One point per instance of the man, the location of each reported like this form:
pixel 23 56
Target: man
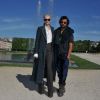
pixel 63 44
pixel 43 54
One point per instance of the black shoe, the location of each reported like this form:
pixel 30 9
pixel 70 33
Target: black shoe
pixel 50 95
pixel 40 88
pixel 62 87
pixel 61 90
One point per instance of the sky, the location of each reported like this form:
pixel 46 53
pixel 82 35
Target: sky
pixel 20 18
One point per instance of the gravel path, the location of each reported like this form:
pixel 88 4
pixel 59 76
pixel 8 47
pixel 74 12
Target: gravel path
pixel 90 57
pixel 81 85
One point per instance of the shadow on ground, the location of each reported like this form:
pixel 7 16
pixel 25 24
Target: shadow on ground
pixel 31 85
pixel 25 80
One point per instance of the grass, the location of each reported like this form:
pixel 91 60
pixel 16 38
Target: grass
pixel 14 52
pixel 84 64
pixel 16 64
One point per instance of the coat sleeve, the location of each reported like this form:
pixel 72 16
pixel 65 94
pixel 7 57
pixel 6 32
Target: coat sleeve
pixel 37 41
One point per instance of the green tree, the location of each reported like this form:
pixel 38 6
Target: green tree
pixel 98 47
pixel 81 46
pixel 20 44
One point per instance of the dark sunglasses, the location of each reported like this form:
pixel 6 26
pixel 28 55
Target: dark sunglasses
pixel 46 19
pixel 63 22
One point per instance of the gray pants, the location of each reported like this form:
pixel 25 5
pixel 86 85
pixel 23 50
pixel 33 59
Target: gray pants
pixel 49 70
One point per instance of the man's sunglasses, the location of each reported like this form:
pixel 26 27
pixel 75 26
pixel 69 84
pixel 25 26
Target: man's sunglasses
pixel 63 22
pixel 46 19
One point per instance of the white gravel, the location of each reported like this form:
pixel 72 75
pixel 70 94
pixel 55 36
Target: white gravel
pixel 80 85
pixel 93 57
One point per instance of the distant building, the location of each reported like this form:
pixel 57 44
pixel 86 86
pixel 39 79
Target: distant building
pixel 94 43
pixel 5 44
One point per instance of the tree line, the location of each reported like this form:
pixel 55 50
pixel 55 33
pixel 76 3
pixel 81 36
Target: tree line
pixel 22 44
pixel 87 46
pixel 25 44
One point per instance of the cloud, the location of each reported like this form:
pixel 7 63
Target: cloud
pixel 94 32
pixel 14 27
pixel 11 20
pixel 88 35
pixel 9 24
pixel 96 17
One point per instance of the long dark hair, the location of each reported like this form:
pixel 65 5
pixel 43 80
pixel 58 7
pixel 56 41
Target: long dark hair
pixel 64 17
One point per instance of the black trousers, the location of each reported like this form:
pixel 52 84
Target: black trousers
pixel 62 70
pixel 48 67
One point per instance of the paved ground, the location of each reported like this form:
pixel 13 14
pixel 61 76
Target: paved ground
pixel 90 57
pixel 81 85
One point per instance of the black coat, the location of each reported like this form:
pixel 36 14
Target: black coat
pixel 40 48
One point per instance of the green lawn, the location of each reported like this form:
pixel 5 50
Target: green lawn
pixel 16 64
pixel 14 52
pixel 84 64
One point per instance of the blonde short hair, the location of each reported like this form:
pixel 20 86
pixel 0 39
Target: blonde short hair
pixel 46 15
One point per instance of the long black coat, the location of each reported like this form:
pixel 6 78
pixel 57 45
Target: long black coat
pixel 40 48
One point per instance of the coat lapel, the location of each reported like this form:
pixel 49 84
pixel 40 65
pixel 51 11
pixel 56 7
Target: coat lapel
pixel 52 30
pixel 44 32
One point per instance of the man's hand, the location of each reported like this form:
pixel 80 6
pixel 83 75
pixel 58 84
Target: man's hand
pixel 68 57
